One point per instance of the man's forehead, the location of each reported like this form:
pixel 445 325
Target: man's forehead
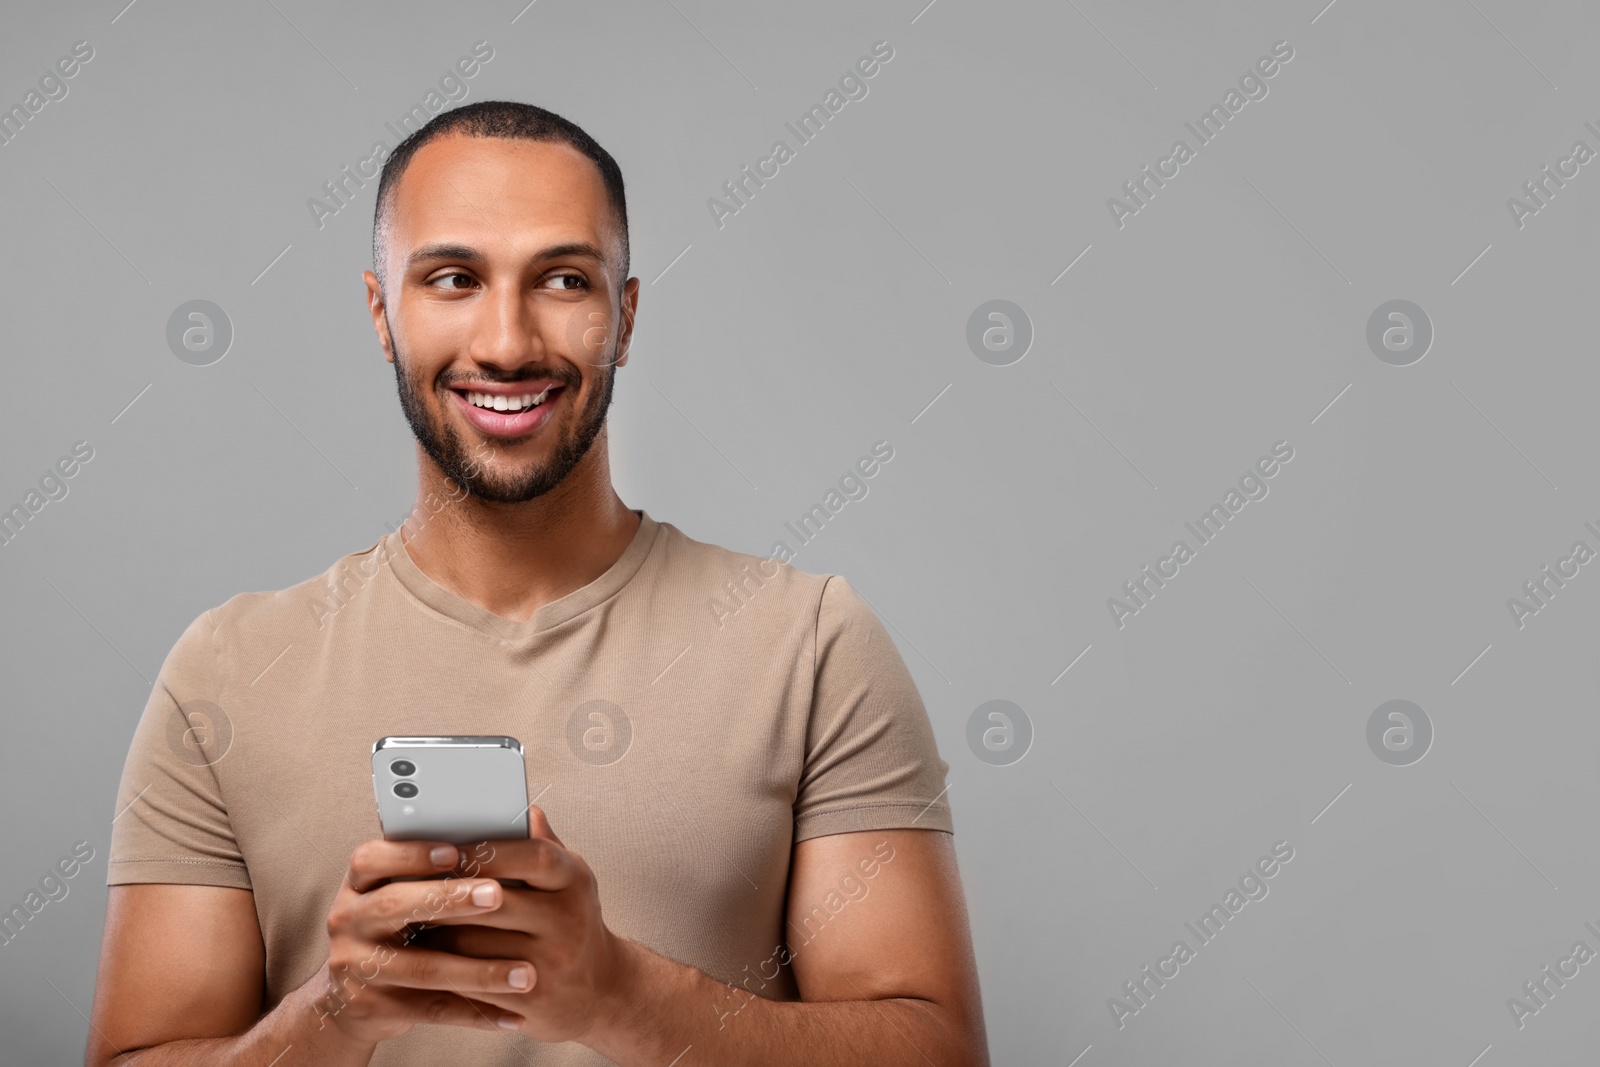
pixel 515 190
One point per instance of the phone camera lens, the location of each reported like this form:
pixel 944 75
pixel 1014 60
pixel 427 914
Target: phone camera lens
pixel 403 768
pixel 405 789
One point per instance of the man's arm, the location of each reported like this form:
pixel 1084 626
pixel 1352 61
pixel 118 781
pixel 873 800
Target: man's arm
pixel 887 979
pixel 180 984
pixel 182 970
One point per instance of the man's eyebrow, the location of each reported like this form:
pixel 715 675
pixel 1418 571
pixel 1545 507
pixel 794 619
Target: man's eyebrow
pixel 570 249
pixel 426 253
pixel 468 254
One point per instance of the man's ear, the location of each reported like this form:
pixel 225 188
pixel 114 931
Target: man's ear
pixel 380 323
pixel 630 307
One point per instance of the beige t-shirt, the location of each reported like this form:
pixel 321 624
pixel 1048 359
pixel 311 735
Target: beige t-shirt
pixel 750 706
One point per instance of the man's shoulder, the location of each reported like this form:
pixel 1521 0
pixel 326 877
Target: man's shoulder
pixel 306 603
pixel 726 582
pixel 686 559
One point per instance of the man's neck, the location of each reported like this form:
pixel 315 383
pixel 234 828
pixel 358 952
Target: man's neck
pixel 512 559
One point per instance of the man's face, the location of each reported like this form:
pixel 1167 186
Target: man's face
pixel 501 280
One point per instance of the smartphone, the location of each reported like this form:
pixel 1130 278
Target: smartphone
pixel 456 789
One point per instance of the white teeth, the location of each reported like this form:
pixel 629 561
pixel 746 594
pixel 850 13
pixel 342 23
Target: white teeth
pixel 505 403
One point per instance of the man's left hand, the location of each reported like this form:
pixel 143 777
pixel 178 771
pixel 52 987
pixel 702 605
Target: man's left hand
pixel 576 962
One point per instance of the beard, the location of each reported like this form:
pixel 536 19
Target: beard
pixel 447 449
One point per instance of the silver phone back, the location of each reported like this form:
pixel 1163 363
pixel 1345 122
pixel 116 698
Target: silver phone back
pixel 467 789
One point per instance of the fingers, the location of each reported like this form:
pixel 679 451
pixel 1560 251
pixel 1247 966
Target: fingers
pixel 388 999
pixel 533 914
pixel 374 861
pixel 421 968
pixel 539 825
pixel 379 914
pixel 486 942
pixel 540 862
pixel 430 1006
pixel 375 981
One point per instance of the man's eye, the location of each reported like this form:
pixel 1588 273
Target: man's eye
pixel 561 281
pixel 453 274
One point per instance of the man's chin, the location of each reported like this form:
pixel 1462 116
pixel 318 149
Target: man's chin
pixel 498 491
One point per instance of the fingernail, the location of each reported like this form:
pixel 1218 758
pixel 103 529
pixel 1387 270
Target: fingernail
pixel 444 856
pixel 509 1022
pixel 520 978
pixel 483 895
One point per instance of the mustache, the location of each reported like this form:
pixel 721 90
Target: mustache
pixel 489 379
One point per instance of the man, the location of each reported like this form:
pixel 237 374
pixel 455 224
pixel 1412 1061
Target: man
pixel 739 850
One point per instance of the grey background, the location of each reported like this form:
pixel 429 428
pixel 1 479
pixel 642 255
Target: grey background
pixel 830 313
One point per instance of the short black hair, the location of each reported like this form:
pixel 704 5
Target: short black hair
pixel 495 118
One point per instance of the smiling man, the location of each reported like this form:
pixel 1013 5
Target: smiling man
pixel 740 847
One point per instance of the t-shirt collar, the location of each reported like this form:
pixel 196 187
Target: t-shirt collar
pixel 575 603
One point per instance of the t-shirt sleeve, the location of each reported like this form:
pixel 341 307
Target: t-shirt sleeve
pixel 871 760
pixel 171 824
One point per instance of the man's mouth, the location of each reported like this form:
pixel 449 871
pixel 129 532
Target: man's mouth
pixel 506 414
pixel 493 402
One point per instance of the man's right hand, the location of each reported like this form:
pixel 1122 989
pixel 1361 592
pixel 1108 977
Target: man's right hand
pixel 380 979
